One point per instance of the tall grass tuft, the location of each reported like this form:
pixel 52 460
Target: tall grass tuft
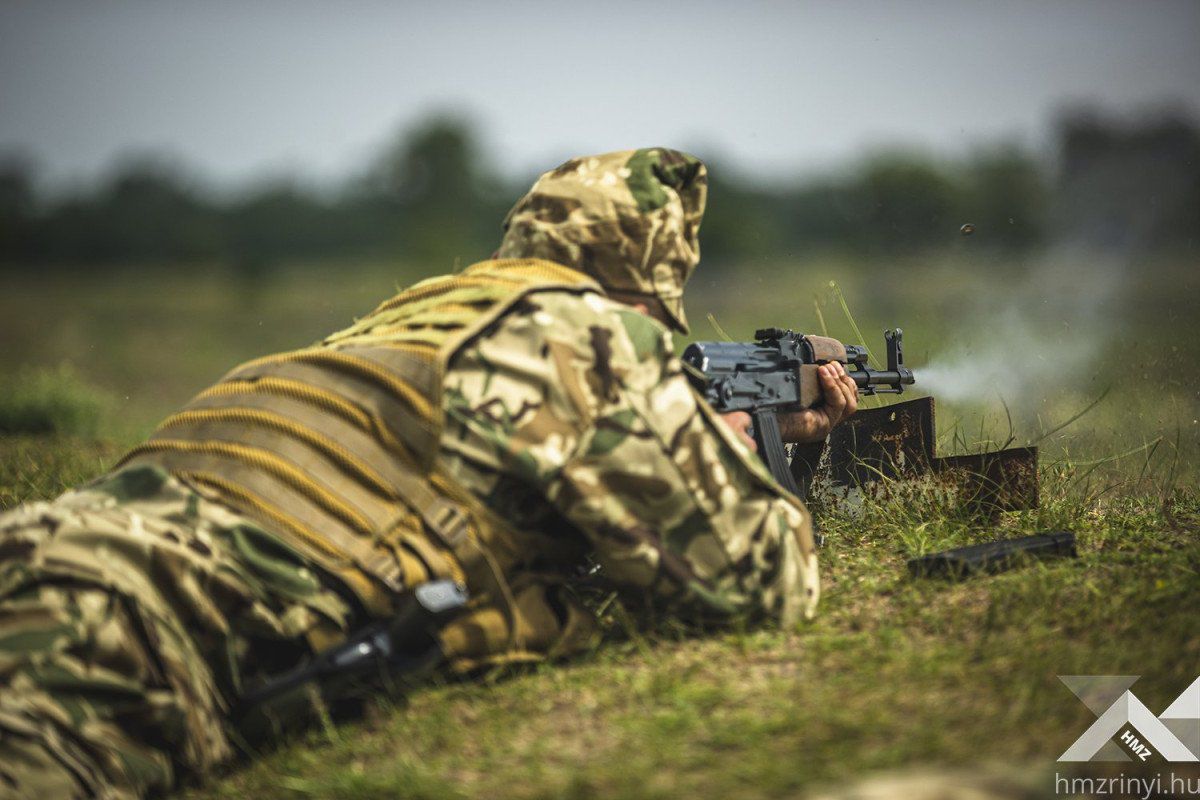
pixel 51 401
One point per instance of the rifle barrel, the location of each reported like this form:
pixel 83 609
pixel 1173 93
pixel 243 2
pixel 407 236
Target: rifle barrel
pixel 864 378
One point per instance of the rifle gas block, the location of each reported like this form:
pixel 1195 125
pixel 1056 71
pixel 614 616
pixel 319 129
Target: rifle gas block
pixel 779 369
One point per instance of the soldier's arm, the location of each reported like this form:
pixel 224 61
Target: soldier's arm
pixel 583 401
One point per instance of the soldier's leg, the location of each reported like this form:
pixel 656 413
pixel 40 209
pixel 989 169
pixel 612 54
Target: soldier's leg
pixel 130 612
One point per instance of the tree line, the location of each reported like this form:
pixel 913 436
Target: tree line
pixel 434 195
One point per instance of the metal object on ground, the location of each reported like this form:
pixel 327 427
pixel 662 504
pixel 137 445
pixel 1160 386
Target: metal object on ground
pixel 991 557
pixel 897 441
pixel 1004 480
pixel 405 644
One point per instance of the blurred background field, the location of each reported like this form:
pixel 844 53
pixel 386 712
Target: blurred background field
pixel 142 341
pixel 1078 278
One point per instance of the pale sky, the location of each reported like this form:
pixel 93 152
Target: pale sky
pixel 239 90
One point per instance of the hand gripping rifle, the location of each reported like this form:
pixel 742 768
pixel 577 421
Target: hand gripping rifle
pixel 778 373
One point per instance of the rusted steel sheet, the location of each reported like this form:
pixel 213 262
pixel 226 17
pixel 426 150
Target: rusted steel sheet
pixel 891 442
pixel 1005 480
pixel 898 441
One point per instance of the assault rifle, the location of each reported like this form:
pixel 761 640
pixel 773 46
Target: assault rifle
pixel 404 645
pixel 778 373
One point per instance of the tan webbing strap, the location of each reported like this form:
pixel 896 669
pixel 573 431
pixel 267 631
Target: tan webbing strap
pixel 333 441
pixel 399 421
pixel 419 372
pixel 345 444
pixel 448 521
pixel 441 286
pixel 273 503
pixel 345 363
pixel 266 392
pixel 292 462
pixel 437 563
pixel 445 519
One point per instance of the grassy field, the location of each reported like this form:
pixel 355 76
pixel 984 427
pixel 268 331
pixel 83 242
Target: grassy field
pixel 893 674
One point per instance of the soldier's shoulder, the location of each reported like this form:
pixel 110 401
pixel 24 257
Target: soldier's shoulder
pixel 572 314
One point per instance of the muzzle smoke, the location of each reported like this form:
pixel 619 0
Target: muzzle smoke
pixel 1027 339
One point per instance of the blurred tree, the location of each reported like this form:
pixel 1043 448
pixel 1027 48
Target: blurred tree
pixel 823 214
pixel 432 195
pixel 1006 198
pixel 16 208
pixel 1128 186
pixel 741 222
pixel 283 220
pixel 444 203
pixel 903 202
pixel 147 212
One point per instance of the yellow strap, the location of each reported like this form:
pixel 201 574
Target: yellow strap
pixel 264 461
pixel 444 286
pixel 226 490
pixel 325 400
pixel 356 366
pixel 397 422
pixel 270 389
pixel 271 420
pixel 445 519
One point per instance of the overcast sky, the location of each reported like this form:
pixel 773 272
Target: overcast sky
pixel 241 90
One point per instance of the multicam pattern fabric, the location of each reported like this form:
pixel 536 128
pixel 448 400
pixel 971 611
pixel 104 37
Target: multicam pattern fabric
pixel 575 408
pixel 329 446
pixel 131 612
pixel 629 219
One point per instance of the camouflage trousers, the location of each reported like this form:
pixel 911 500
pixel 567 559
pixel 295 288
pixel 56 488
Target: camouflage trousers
pixel 131 613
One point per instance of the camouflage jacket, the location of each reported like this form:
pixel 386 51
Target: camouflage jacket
pixel 573 416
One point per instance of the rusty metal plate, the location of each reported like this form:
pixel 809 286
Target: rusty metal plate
pixel 1005 480
pixel 889 442
pixel 898 441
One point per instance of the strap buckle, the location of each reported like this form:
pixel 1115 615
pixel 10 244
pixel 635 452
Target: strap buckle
pixel 449 522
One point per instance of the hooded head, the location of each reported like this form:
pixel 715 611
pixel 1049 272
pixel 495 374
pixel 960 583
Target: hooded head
pixel 628 219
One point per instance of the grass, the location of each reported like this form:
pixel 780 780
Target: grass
pixel 51 400
pixel 40 467
pixel 894 673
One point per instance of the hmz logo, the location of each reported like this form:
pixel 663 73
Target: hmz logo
pixel 1125 729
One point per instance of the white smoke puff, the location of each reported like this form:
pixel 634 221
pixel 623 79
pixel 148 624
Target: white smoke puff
pixel 1051 327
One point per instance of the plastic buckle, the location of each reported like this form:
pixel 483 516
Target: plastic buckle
pixel 449 523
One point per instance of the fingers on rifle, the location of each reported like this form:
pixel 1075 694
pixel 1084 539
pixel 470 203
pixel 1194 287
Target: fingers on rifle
pixel 835 397
pixel 841 393
pixel 850 389
pixel 740 421
pixel 742 425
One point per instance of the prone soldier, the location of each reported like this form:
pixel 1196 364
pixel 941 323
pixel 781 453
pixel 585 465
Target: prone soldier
pixel 495 428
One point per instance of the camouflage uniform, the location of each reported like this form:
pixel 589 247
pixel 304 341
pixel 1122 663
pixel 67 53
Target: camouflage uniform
pixel 496 427
pixel 132 612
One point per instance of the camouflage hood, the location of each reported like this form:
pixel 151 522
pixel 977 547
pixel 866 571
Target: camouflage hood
pixel 629 219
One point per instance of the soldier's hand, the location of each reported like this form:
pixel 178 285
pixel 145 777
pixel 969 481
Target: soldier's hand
pixel 840 396
pixel 739 422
